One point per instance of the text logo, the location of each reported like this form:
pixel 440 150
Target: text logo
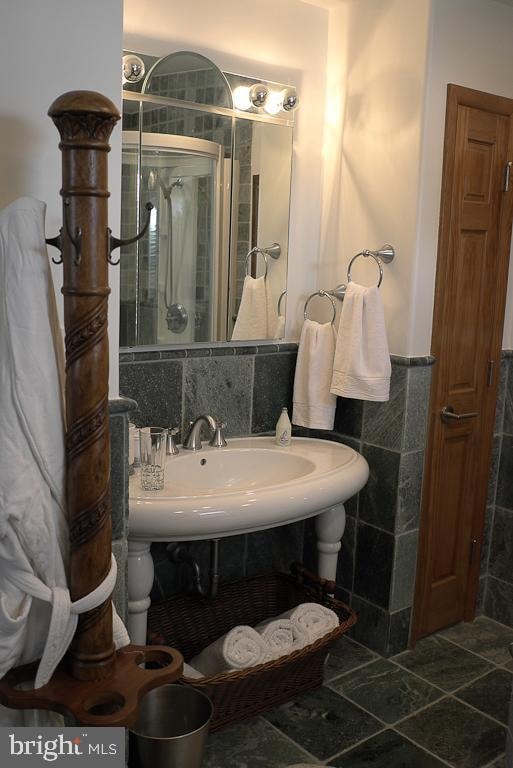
pixel 29 747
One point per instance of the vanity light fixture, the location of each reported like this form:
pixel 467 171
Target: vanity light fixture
pixel 261 96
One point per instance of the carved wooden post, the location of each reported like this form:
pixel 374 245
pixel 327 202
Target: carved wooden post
pixel 95 683
pixel 85 121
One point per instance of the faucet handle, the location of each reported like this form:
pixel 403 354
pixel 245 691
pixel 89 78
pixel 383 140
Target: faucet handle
pixel 218 439
pixel 171 447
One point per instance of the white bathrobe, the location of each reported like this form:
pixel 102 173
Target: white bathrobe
pixel 33 523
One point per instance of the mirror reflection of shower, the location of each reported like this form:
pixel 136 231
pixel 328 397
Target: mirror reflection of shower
pixel 176 314
pixel 176 294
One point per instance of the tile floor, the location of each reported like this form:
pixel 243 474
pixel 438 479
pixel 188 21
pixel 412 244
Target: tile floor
pixel 443 704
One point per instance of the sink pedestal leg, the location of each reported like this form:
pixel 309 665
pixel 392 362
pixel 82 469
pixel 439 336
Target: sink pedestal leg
pixel 140 582
pixel 329 526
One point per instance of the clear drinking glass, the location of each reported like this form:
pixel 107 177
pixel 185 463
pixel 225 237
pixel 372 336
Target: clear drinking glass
pixel 153 455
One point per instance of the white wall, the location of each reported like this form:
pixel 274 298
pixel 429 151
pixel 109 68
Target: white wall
pixel 47 48
pixel 373 135
pixel 471 45
pixel 283 40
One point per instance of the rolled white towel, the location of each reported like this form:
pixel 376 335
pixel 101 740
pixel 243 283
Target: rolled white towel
pixel 315 618
pixel 241 647
pixel 283 636
pixel 191 673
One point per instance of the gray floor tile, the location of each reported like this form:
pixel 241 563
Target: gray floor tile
pixel 442 663
pixel 346 655
pixel 456 733
pixel 323 723
pixel 388 749
pixel 483 636
pixel 386 690
pixel 490 694
pixel 252 744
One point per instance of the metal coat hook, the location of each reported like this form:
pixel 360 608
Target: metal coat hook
pixel 76 240
pixel 114 242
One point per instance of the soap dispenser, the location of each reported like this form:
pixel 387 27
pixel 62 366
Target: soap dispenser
pixel 283 429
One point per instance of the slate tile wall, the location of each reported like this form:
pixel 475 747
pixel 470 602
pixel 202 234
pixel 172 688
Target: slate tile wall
pixel 496 582
pixel 377 564
pixel 119 411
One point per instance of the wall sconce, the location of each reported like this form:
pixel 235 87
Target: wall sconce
pixel 260 96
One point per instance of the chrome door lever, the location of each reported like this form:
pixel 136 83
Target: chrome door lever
pixel 448 415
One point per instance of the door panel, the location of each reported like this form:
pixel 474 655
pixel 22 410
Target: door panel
pixel 473 256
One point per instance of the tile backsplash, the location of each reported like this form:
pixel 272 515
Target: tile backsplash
pixel 244 386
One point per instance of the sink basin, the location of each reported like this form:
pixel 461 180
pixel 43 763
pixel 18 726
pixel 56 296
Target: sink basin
pixel 251 485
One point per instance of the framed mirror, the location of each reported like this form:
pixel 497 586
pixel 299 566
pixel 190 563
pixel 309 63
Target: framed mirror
pixel 212 265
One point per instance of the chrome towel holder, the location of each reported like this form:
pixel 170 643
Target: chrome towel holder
pixel 327 295
pixel 274 251
pixel 385 254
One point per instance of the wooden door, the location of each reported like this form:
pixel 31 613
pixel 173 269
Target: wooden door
pixel 470 294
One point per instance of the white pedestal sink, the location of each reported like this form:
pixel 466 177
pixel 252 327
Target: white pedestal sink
pixel 250 485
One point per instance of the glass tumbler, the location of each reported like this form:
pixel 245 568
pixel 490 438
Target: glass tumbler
pixel 152 456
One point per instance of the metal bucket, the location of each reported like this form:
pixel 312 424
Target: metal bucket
pixel 171 728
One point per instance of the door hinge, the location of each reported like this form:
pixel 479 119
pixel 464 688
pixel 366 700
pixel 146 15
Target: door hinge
pixel 473 544
pixel 491 369
pixel 507 171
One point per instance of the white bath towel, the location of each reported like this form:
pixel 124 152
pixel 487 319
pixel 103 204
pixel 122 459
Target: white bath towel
pixel 283 636
pixel 313 404
pixel 241 647
pixel 361 368
pixel 252 317
pixel 314 618
pixel 36 615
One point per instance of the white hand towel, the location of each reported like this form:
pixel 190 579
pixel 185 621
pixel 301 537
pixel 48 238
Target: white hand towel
pixel 279 331
pixel 251 320
pixel 283 636
pixel 314 618
pixel 313 405
pixel 272 314
pixel 241 647
pixel 361 368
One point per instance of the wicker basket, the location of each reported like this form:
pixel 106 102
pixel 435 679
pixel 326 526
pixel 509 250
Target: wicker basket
pixel 190 624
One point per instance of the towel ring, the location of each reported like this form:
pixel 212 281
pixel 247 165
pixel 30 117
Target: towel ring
pixel 324 293
pixel 282 296
pixel 257 251
pixel 365 254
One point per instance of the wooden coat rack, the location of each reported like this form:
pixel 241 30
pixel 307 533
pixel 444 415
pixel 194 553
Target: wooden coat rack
pixel 95 683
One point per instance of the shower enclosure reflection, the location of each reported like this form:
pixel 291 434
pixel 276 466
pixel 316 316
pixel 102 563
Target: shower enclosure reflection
pixel 174 294
pixel 219 181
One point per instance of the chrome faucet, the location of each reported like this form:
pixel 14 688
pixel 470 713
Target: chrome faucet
pixel 193 440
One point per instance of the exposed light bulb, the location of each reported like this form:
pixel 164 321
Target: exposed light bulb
pixel 258 94
pixel 290 99
pixel 241 98
pixel 133 68
pixel 274 102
